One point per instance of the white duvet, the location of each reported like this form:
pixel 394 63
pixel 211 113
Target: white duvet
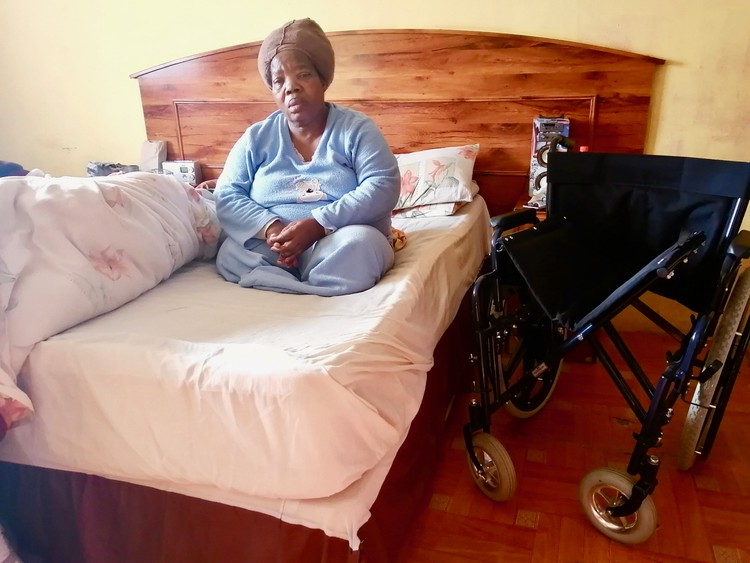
pixel 73 248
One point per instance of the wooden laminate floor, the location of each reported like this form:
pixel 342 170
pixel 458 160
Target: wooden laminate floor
pixel 704 514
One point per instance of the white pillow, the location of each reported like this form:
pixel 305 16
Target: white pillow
pixel 436 176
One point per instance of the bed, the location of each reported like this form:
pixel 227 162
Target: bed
pixel 173 415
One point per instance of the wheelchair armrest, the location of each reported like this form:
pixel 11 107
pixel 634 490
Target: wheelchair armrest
pixel 740 245
pixel 514 219
pixel 678 253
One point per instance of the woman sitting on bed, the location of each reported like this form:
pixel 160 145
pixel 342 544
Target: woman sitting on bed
pixel 306 195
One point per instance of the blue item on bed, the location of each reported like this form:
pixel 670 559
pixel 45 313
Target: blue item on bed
pixel 11 169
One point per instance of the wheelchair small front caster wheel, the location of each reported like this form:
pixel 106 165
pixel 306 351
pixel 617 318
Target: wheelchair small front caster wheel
pixel 604 488
pixel 497 477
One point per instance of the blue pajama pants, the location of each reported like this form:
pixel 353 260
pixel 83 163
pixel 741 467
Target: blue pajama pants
pixel 349 260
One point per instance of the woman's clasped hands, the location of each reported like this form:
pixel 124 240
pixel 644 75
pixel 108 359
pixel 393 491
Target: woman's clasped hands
pixel 292 239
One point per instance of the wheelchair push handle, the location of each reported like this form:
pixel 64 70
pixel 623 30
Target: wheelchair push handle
pixel 561 141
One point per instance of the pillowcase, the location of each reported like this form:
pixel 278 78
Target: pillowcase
pixel 435 209
pixel 436 176
pixel 432 210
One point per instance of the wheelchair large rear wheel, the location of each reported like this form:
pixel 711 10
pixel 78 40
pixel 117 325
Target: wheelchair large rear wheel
pixel 523 348
pixel 497 477
pixel 700 416
pixel 605 488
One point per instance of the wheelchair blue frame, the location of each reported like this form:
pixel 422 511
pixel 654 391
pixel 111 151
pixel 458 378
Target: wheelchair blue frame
pixel 626 224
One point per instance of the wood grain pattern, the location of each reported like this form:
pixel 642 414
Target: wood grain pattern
pixel 425 89
pixel 703 513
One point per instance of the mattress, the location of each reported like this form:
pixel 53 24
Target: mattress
pixel 291 405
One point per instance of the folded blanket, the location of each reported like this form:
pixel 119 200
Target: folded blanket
pixel 74 248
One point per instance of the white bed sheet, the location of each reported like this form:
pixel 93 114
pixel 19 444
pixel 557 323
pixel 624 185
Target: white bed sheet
pixel 291 405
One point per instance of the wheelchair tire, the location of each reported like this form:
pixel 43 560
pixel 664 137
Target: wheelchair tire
pixel 517 341
pixel 734 321
pixel 603 488
pixel 497 480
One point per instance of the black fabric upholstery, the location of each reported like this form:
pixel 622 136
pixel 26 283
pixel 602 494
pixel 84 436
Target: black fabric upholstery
pixel 610 216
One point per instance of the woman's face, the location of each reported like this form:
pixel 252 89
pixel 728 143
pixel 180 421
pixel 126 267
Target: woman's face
pixel 297 88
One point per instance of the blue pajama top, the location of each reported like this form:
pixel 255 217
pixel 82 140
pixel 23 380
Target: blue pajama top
pixel 352 179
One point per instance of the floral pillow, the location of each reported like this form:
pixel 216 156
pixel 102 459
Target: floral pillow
pixel 436 176
pixel 435 209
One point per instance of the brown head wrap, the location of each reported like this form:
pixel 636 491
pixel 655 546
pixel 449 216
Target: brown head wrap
pixel 302 35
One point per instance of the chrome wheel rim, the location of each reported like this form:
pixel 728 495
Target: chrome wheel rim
pixel 488 475
pixel 602 498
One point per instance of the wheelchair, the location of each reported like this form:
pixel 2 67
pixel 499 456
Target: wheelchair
pixel 617 226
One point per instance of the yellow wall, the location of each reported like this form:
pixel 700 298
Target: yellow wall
pixel 66 96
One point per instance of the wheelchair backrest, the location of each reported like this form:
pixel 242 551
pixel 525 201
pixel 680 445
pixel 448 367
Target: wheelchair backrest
pixel 646 201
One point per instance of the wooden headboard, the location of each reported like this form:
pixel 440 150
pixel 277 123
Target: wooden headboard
pixel 425 89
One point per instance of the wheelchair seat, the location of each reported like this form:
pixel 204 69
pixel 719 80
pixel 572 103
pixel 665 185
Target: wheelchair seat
pixel 580 275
